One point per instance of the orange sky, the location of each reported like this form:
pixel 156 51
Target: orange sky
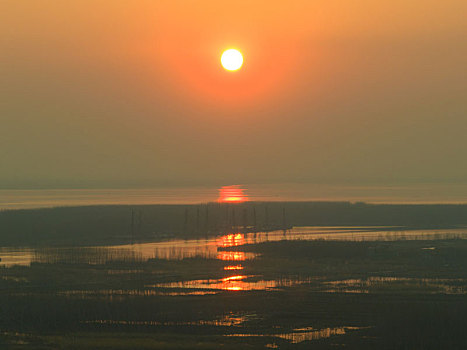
pixel 119 93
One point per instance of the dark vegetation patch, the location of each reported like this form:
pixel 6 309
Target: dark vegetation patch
pixel 117 224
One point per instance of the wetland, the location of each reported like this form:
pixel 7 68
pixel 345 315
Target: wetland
pixel 358 287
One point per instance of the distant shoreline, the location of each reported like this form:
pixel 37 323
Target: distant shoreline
pixel 181 204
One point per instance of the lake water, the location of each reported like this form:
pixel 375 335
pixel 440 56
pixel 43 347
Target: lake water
pixel 412 193
pixel 232 261
pixel 211 248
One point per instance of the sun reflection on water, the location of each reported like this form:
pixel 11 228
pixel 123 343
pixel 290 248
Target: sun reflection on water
pixel 231 240
pixel 210 248
pixel 231 283
pixel 231 256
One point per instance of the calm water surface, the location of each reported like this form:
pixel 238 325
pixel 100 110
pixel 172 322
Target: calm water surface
pixel 235 279
pixel 211 248
pixel 413 193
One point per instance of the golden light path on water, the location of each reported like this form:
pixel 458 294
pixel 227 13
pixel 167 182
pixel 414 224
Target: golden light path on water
pixel 212 248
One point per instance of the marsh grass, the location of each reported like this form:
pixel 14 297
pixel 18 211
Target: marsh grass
pixel 395 290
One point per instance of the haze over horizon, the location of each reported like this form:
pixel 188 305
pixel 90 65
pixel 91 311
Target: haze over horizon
pixel 118 94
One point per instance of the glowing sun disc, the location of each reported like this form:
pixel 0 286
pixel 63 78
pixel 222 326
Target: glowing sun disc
pixel 232 59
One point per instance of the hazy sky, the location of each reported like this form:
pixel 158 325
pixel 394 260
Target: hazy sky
pixel 117 93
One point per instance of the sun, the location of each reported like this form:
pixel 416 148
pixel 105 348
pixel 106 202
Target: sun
pixel 232 60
